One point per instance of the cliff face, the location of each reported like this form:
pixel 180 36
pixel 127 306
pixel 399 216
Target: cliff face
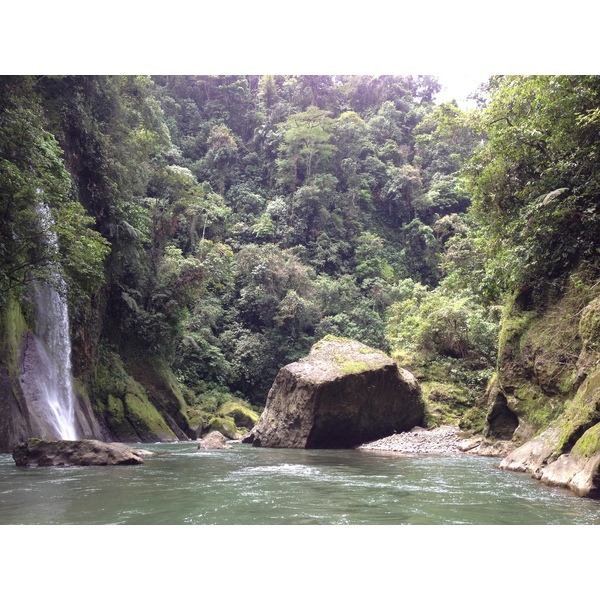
pixel 341 395
pixel 545 396
pixel 139 399
pixel 111 402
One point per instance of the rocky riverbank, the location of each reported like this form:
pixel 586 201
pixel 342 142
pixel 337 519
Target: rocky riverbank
pixel 442 440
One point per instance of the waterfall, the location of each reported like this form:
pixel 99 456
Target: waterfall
pixel 50 386
pixel 56 404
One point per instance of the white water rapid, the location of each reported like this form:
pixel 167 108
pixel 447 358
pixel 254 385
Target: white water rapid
pixel 54 401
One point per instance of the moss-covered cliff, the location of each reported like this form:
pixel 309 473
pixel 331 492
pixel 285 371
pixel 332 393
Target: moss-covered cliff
pixel 140 402
pixel 545 396
pixel 13 417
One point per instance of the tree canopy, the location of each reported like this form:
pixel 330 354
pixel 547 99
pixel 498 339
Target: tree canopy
pixel 225 223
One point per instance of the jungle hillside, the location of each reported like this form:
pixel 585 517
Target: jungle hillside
pixel 211 229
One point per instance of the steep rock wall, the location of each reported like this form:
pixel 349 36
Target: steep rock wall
pixel 111 405
pixel 20 368
pixel 545 396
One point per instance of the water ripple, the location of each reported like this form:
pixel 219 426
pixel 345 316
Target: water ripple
pixel 246 485
pixel 286 469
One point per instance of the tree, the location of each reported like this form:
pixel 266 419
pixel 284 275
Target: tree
pixel 222 154
pixel 441 324
pixel 267 92
pixel 304 145
pixel 402 189
pixel 535 181
pixel 370 262
pixel 37 201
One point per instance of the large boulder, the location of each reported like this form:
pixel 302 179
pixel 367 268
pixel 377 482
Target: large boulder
pixel 81 453
pixel 341 395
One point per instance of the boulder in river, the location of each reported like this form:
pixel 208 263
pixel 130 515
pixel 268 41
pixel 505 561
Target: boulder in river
pixel 214 440
pixel 80 453
pixel 341 395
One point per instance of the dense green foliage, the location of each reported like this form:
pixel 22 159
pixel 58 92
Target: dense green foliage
pixel 226 223
pixel 37 203
pixel 535 181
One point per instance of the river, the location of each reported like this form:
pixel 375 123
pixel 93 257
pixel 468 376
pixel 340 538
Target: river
pixel 262 486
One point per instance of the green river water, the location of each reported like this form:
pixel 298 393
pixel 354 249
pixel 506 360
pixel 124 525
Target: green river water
pixel 260 486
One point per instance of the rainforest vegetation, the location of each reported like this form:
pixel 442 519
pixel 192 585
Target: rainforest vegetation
pixel 213 228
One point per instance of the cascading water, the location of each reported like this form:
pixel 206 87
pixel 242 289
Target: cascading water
pixel 56 402
pixel 49 387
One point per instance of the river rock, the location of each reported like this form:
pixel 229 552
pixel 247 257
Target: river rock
pixel 341 395
pixel 80 453
pixel 214 440
pixel 141 452
pixel 578 471
pixel 579 475
pixel 441 440
pixel 549 372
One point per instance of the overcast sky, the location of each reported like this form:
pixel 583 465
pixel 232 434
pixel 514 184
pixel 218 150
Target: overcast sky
pixel 458 87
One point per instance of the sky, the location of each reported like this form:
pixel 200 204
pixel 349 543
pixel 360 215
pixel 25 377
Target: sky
pixel 459 87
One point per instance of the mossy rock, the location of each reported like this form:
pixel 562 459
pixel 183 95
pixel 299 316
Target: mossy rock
pixel 224 425
pixel 161 387
pixel 199 419
pixel 342 394
pixel 243 416
pixel 115 419
pixel 588 444
pixel 110 377
pixel 12 329
pixel 474 419
pixel 580 414
pixel 514 325
pixel 353 366
pixel 146 420
pixel 157 408
pixel 537 408
pixel 160 382
pixel 335 356
pixel 444 403
pixel 543 358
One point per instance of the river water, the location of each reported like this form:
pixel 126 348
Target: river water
pixel 262 486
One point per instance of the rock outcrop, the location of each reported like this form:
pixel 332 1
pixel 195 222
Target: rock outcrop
pixel 80 453
pixel 545 396
pixel 214 441
pixel 341 395
pixel 567 454
pixel 21 383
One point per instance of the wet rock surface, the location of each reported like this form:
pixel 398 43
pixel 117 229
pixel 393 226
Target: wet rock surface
pixel 80 453
pixel 213 441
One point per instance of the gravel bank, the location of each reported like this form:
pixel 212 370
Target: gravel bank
pixel 442 440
